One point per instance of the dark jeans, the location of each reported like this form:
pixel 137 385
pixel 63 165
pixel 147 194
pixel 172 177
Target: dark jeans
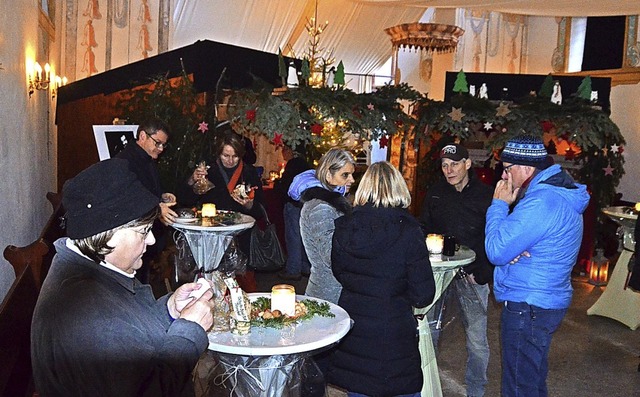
pixel 526 333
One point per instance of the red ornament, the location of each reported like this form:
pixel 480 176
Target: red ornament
pixel 384 141
pixel 547 126
pixel 277 139
pixel 316 129
pixel 251 115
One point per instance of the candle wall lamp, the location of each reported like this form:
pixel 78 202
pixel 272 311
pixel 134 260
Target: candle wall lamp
pixel 43 78
pixel 39 78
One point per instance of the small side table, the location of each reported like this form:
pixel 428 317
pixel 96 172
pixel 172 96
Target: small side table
pixel 208 243
pixel 443 273
pixel 260 364
pixel 616 301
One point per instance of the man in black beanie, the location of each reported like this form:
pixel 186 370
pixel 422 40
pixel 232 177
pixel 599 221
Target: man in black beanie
pixel 96 329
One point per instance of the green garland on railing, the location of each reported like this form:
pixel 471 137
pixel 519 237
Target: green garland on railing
pixel 300 115
pixel 600 162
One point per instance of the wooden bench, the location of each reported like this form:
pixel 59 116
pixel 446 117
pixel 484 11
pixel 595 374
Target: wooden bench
pixel 16 312
pixel 53 230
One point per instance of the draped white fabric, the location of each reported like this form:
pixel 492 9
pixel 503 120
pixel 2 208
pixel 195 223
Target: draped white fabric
pixel 566 8
pixel 355 34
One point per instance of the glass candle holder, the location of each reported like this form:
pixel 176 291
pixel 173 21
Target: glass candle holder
pixel 435 242
pixel 283 298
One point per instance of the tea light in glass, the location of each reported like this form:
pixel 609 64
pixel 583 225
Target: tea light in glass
pixel 435 243
pixel 283 298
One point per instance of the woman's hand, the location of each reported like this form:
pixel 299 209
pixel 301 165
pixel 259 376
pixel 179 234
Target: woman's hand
pixel 198 173
pixel 183 297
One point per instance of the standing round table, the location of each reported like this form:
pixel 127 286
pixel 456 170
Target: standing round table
pixel 208 243
pixel 262 362
pixel 617 301
pixel 444 270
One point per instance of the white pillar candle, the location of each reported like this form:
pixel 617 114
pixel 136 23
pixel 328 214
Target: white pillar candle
pixel 435 243
pixel 283 298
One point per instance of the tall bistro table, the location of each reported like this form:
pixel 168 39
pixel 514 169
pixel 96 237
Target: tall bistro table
pixel 444 270
pixel 208 243
pixel 262 363
pixel 617 301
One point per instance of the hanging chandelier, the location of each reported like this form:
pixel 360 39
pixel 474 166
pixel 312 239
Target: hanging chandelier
pixel 432 37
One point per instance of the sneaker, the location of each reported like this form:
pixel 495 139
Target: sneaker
pixel 288 276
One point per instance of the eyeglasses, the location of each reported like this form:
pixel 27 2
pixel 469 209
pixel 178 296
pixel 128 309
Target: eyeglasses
pixel 159 145
pixel 144 232
pixel 507 168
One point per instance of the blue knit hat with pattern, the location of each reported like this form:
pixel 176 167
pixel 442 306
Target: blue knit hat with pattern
pixel 525 150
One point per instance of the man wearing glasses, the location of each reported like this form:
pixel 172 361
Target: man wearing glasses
pixel 533 234
pixel 142 156
pixel 96 329
pixel 456 206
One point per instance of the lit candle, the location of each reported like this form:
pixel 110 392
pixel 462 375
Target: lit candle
pixel 435 243
pixel 283 298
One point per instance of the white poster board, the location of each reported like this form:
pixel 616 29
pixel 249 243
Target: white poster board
pixel 111 139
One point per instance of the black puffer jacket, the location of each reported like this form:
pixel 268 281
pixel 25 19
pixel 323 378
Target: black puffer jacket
pixel 462 214
pixel 380 257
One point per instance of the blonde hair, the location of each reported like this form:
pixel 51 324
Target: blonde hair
pixel 383 186
pixel 330 163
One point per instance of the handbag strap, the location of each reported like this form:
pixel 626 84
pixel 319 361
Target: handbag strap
pixel 264 213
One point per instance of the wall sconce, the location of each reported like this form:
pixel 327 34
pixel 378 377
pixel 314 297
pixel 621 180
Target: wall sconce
pixel 37 79
pixel 599 271
pixel 58 82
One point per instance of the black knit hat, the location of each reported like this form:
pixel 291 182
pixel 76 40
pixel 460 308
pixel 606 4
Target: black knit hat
pixel 454 151
pixel 103 197
pixel 525 150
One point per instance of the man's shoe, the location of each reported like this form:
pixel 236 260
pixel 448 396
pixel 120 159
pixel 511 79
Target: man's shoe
pixel 288 276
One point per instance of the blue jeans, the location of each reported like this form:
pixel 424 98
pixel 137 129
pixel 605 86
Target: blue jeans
pixel 297 261
pixel 474 299
pixel 352 394
pixel 526 333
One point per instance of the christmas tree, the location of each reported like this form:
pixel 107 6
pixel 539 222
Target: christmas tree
pixel 339 77
pixel 547 87
pixel 282 68
pixel 461 84
pixel 584 90
pixel 305 72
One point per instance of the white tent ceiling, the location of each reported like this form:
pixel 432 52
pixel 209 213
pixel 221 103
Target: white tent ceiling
pixel 355 33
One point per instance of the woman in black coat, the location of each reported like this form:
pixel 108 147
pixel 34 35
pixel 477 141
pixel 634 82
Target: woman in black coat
pixel 380 257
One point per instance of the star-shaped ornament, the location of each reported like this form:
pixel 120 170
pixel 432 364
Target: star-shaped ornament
pixel 203 127
pixel 370 106
pixel 614 148
pixel 277 139
pixel 608 170
pixel 456 114
pixel 502 110
pixel 488 126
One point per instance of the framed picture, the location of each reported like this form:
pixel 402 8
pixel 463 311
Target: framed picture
pixel 111 139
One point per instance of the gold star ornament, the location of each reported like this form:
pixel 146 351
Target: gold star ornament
pixel 456 114
pixel 502 110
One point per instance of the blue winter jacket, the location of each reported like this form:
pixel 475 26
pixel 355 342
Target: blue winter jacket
pixel 546 222
pixel 306 180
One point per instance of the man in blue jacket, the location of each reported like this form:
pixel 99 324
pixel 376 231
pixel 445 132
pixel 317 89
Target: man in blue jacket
pixel 534 248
